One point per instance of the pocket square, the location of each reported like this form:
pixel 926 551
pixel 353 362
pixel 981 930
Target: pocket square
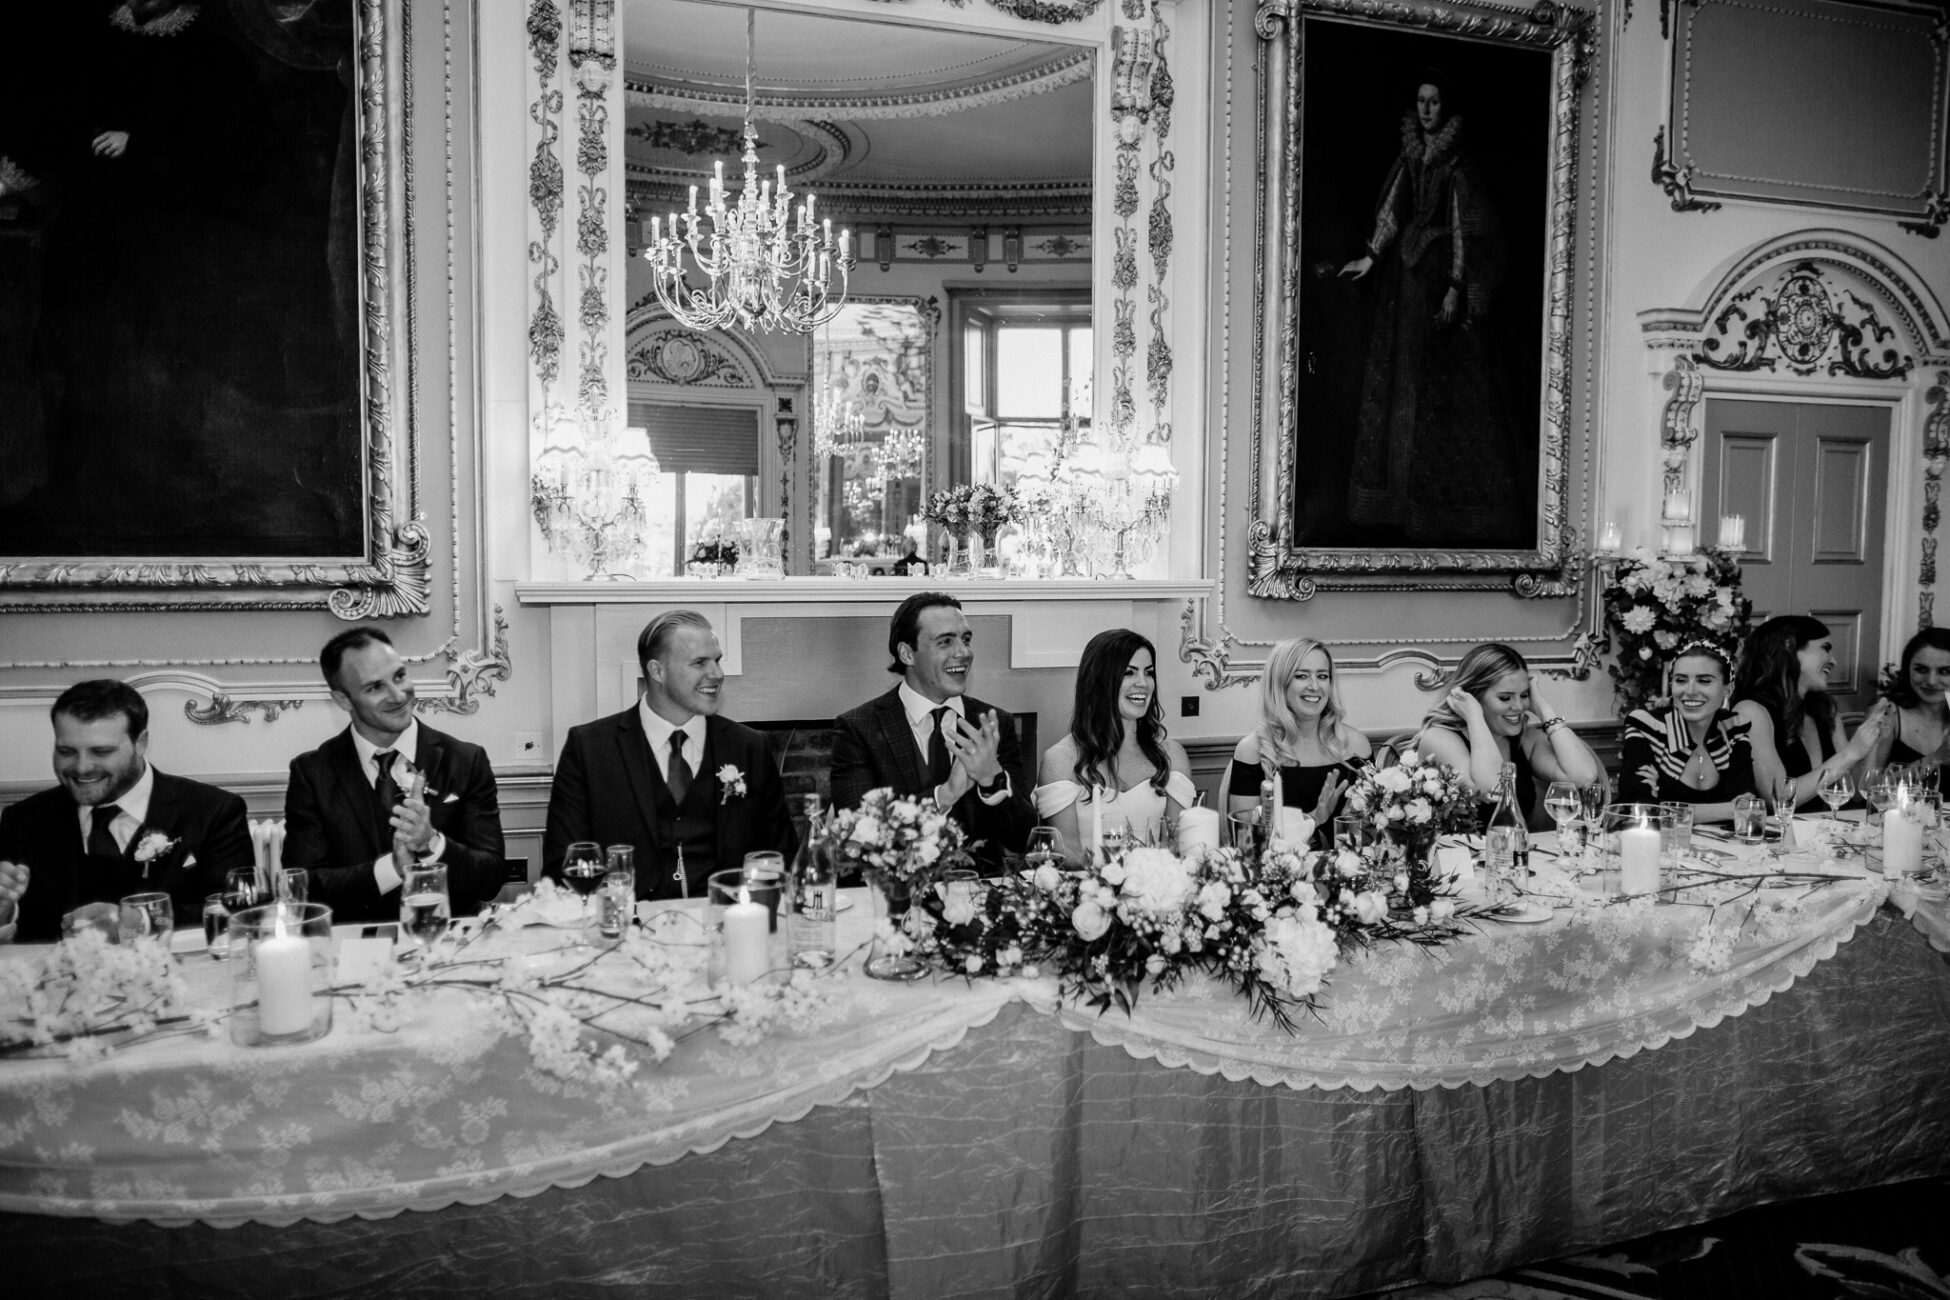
pixel 452 798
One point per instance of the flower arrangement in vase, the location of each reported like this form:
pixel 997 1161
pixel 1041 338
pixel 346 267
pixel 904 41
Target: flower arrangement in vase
pixel 1654 604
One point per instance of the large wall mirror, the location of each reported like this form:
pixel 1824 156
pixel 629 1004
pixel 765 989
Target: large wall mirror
pixel 962 162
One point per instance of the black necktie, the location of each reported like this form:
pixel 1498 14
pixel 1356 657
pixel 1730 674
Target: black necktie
pixel 101 840
pixel 678 778
pixel 385 791
pixel 938 764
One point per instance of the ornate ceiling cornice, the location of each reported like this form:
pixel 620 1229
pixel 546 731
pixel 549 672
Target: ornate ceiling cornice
pixel 995 200
pixel 642 90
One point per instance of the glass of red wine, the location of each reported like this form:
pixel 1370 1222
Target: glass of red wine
pixel 583 870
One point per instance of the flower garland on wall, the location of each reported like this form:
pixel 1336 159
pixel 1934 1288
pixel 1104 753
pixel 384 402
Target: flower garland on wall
pixel 1656 603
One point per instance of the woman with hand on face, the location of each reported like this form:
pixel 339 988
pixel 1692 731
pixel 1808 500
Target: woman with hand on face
pixel 1116 750
pixel 1494 715
pixel 1781 691
pixel 1302 733
pixel 1695 750
pixel 1918 697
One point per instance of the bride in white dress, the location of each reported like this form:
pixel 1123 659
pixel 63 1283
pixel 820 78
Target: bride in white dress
pixel 1117 746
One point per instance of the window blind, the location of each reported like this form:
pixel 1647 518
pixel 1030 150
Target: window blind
pixel 700 439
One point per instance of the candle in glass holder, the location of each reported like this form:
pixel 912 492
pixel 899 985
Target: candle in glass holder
pixel 1681 539
pixel 283 964
pixel 1902 838
pixel 1733 533
pixel 746 927
pixel 1638 859
pixel 1678 507
pixel 1609 540
pixel 1198 826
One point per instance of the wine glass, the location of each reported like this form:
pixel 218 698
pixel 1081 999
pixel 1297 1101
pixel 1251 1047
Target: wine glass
pixel 425 907
pixel 240 889
pixel 583 870
pixel 1045 848
pixel 1592 800
pixel 1836 789
pixel 1783 799
pixel 1561 801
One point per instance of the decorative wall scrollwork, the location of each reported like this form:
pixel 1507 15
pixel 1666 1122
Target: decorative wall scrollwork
pixel 1806 325
pixel 472 674
pixel 222 708
pixel 1936 453
pixel 1675 180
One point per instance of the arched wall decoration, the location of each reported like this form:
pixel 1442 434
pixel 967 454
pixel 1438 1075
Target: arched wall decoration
pixel 1799 310
pixel 677 355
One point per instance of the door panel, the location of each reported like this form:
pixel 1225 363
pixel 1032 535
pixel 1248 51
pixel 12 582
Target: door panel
pixel 1810 479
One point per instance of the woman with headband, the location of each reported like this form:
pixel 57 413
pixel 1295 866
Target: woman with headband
pixel 1781 690
pixel 1695 750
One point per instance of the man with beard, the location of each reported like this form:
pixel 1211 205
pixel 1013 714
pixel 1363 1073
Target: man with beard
pixel 387 793
pixel 668 775
pixel 929 737
pixel 114 826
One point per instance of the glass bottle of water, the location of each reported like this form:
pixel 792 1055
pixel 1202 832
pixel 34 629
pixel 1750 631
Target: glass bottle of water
pixel 813 923
pixel 1269 814
pixel 1506 842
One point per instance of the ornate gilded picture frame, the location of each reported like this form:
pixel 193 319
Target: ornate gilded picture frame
pixel 1417 182
pixel 209 376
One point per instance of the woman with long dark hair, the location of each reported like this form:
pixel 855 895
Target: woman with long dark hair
pixel 1919 697
pixel 1303 735
pixel 1116 763
pixel 1781 691
pixel 1494 714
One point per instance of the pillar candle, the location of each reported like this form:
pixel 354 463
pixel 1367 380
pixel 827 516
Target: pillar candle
pixel 1638 859
pixel 1198 826
pixel 1902 842
pixel 1609 539
pixel 283 964
pixel 746 927
pixel 1295 827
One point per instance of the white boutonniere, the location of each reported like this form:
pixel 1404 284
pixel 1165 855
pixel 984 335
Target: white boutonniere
pixel 154 845
pixel 732 783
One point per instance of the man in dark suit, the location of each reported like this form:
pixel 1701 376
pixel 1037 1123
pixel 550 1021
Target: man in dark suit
pixel 356 812
pixel 669 775
pixel 929 736
pixel 114 826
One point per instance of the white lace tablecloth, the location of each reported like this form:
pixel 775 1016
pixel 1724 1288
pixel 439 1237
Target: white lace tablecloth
pixel 441 1112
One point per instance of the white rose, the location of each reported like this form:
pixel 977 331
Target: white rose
pixel 1154 964
pixel 958 907
pixel 1442 909
pixel 1419 811
pixel 1401 882
pixel 1090 922
pixel 1212 900
pixel 1394 780
pixel 1371 906
pixel 865 831
pixel 1048 878
pixel 972 964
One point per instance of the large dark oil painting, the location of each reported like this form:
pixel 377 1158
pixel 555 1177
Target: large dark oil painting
pixel 180 281
pixel 1424 203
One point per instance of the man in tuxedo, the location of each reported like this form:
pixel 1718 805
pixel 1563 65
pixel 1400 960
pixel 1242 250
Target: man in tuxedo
pixel 114 826
pixel 668 775
pixel 352 817
pixel 928 736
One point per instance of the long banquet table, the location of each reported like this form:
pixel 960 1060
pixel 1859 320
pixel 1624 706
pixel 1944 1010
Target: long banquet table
pixel 1530 1091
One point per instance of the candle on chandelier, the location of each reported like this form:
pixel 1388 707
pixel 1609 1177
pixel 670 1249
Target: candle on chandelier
pixel 673 216
pixel 1733 533
pixel 1678 506
pixel 846 238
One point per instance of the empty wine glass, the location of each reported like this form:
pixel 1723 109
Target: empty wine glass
pixel 1045 848
pixel 583 870
pixel 1592 800
pixel 1561 801
pixel 1782 797
pixel 1836 789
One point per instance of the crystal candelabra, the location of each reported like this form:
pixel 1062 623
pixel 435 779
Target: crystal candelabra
pixel 900 453
pixel 764 266
pixel 1102 509
pixel 837 424
pixel 589 489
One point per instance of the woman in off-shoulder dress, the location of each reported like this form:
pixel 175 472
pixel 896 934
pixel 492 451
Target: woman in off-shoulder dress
pixel 1116 763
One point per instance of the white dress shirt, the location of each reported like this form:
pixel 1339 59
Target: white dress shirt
pixel 385 872
pixel 132 810
pixel 920 720
pixel 658 731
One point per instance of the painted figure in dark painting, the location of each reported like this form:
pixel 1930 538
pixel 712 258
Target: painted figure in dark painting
pixel 1433 453
pixel 190 338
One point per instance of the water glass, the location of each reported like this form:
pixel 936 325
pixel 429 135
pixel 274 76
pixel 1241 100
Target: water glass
pixel 1749 818
pixel 1678 830
pixel 147 916
pixel 1245 831
pixel 216 927
pixel 294 885
pixel 1351 831
pixel 425 907
pixel 619 889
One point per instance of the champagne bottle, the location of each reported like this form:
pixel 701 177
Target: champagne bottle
pixel 812 924
pixel 1506 842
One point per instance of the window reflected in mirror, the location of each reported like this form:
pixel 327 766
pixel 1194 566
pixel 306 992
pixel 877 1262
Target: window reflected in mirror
pixel 1024 368
pixel 709 458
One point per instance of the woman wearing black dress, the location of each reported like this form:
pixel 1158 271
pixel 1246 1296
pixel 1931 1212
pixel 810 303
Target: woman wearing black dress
pixel 1695 750
pixel 1303 733
pixel 1781 692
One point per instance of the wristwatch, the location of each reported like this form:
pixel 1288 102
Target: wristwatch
pixel 994 787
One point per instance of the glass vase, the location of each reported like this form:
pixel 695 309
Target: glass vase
pixel 892 955
pixel 985 558
pixel 284 958
pixel 961 555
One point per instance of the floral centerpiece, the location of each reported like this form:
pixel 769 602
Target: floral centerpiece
pixel 90 994
pixel 901 845
pixel 1655 604
pixel 973 513
pixel 1407 807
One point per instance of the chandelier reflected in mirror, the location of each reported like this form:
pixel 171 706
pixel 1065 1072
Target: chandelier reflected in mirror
pixel 761 265
pixel 838 423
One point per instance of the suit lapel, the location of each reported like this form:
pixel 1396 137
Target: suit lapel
pixel 640 770
pixel 353 793
pixel 897 738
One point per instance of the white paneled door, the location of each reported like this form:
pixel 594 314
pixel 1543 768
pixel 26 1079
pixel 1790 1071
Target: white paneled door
pixel 1811 479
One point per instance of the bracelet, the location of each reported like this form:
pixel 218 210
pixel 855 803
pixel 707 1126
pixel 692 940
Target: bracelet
pixel 1551 724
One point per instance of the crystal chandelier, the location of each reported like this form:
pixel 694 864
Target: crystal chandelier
pixel 837 424
pixel 900 452
pixel 759 270
pixel 588 491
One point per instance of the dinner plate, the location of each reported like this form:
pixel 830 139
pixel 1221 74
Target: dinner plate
pixel 844 904
pixel 1520 914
